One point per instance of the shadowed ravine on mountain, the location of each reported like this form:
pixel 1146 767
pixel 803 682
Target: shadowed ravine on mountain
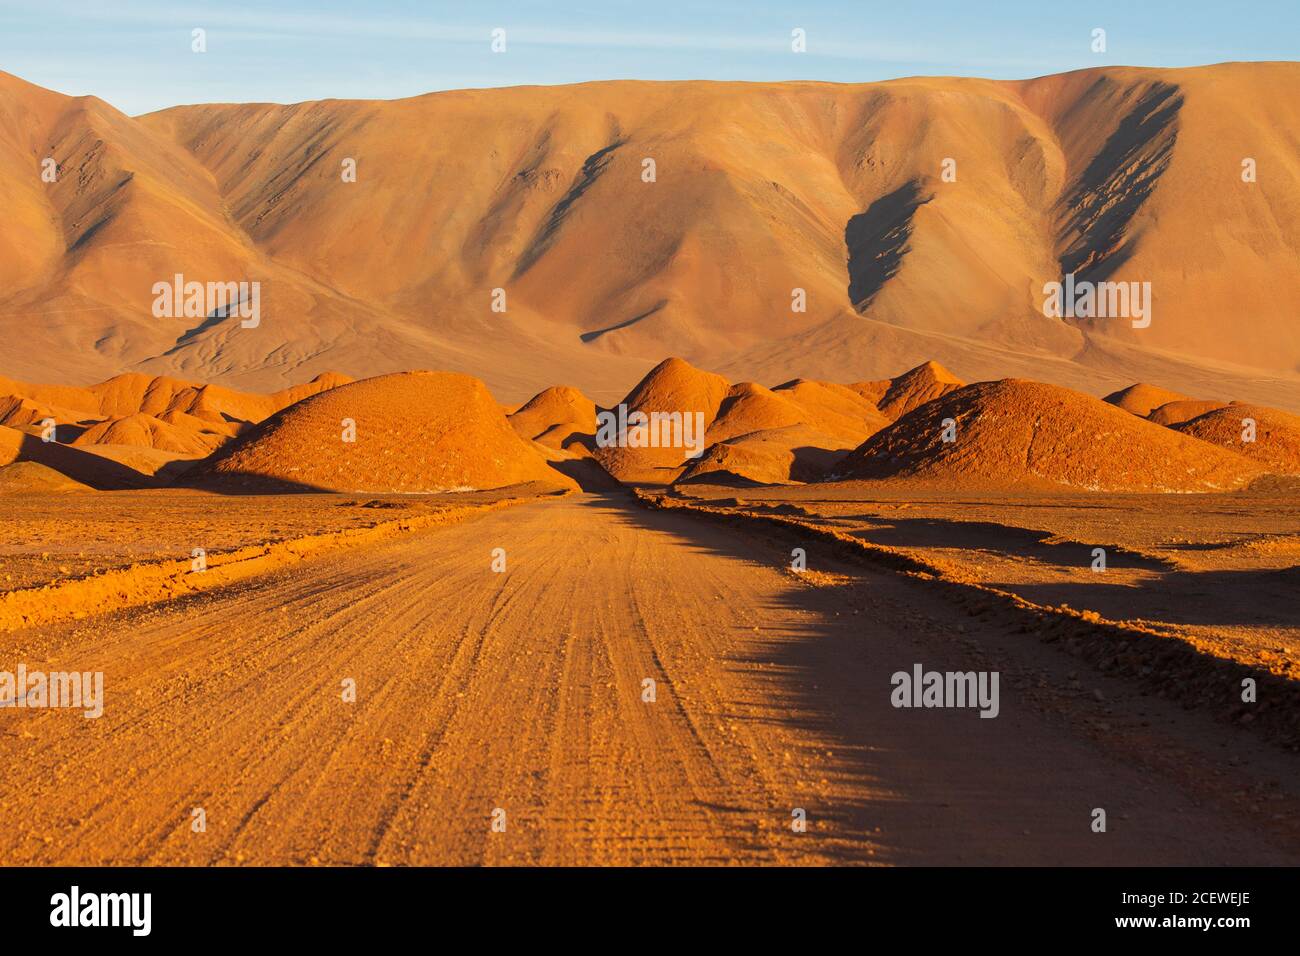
pixel 1100 209
pixel 877 239
pixel 760 188
pixel 592 168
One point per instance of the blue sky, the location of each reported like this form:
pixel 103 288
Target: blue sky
pixel 137 55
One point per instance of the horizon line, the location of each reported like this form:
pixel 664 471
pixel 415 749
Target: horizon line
pixel 792 81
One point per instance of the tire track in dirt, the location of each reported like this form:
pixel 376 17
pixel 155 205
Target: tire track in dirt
pixel 522 691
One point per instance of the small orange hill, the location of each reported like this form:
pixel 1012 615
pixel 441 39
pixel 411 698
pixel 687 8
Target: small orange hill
pixel 97 471
pixel 672 387
pixel 414 432
pixel 1175 413
pixel 147 411
pixel 554 416
pixel 296 393
pixel 774 456
pixel 873 392
pixel 30 477
pixel 795 429
pixel 1142 399
pixel 27 415
pixel 1277 435
pixel 218 430
pixel 914 388
pixel 834 409
pixel 145 431
pixel 134 392
pixel 71 397
pixel 750 407
pixel 1020 433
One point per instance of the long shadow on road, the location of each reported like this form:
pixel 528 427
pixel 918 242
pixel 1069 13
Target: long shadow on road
pixel 926 786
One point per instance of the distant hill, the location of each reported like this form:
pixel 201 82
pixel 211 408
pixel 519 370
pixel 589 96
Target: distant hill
pixel 764 194
pixel 1016 433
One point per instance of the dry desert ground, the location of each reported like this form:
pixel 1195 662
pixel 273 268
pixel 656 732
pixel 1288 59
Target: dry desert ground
pixel 620 656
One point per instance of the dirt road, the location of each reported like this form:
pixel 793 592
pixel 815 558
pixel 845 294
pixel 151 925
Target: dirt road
pixel 522 691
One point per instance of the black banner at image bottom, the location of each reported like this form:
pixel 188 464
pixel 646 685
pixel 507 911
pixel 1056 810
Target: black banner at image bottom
pixel 141 906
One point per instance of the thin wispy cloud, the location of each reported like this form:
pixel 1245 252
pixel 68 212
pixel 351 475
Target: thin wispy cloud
pixel 137 55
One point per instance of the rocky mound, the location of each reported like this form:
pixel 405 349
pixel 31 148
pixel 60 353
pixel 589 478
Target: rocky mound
pixel 296 393
pixel 145 431
pixel 1019 433
pixel 1175 413
pixel 554 416
pixel 96 470
pixel 140 424
pixel 23 413
pixel 873 392
pixel 1142 399
pixel 915 387
pixel 750 407
pixel 834 409
pixel 219 429
pixel 1276 444
pixel 414 432
pixel 675 390
pixel 30 477
pixel 774 456
pixel 136 393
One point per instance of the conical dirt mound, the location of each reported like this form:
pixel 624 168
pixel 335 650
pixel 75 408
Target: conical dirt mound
pixel 1143 399
pixel 145 431
pixel 554 415
pixel 915 387
pixel 750 407
pixel 795 453
pixel 837 410
pixel 1175 413
pixel 414 432
pixel 1016 433
pixel 1276 444
pixel 674 389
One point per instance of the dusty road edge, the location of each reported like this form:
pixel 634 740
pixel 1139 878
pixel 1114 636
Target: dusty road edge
pixel 152 582
pixel 1165 664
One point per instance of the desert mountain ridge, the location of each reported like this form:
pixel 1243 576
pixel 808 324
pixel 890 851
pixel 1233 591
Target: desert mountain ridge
pixel 1113 174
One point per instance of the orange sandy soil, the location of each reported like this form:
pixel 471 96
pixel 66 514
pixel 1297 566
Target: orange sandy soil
pixel 53 539
pixel 1217 570
pixel 523 691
